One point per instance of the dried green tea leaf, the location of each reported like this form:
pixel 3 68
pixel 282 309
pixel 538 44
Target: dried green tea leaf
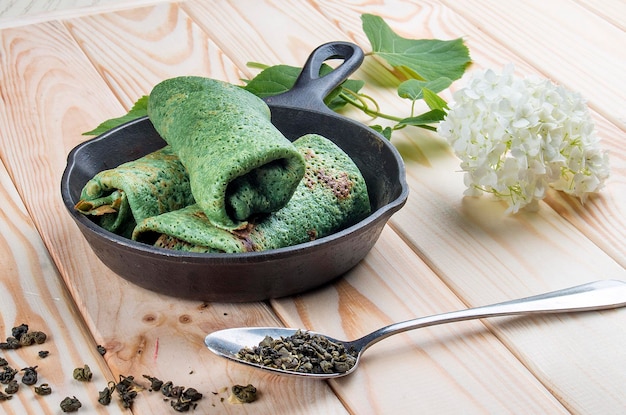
pixel 243 394
pixel 82 374
pixel 19 331
pixel 30 375
pixel 155 383
pixel 70 404
pixel 44 389
pixel 7 375
pixel 301 352
pixel 12 387
pixel 101 349
pixel 104 396
pixel 127 390
pixel 186 400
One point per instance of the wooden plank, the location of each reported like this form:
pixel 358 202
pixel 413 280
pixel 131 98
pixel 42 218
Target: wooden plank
pixel 51 93
pixel 457 368
pixel 212 21
pixel 447 211
pixel 14 13
pixel 158 43
pixel 485 256
pixel 529 29
pixel 466 263
pixel 613 11
pixel 33 293
pixel 602 218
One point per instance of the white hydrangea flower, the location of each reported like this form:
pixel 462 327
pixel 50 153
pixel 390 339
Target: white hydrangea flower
pixel 516 137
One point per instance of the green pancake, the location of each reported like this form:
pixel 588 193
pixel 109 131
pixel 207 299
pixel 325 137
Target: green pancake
pixel 239 164
pixel 119 198
pixel 331 196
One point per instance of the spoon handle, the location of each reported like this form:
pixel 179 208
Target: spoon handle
pixel 593 296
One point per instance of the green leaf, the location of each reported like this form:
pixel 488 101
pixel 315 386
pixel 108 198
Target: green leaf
pixel 423 59
pixel 334 101
pixel 277 79
pixel 434 101
pixel 273 81
pixel 413 89
pixel 385 131
pixel 139 109
pixel 430 117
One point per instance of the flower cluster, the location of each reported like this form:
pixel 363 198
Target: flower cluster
pixel 515 137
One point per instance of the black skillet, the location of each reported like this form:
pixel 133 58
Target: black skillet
pixel 258 275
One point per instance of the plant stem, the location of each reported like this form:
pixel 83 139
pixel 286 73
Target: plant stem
pixel 358 103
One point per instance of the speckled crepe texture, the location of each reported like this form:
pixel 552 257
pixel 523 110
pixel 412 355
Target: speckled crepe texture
pixel 239 164
pixel 119 198
pixel 331 196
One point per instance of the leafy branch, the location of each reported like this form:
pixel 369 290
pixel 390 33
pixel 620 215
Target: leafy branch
pixel 423 68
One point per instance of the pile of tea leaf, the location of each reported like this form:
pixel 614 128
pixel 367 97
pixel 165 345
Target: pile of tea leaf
pixel 181 399
pixel 21 337
pixel 301 352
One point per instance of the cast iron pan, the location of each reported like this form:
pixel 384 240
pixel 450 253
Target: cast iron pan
pixel 258 275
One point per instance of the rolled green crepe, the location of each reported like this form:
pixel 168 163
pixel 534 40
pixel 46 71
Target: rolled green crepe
pixel 331 196
pixel 239 164
pixel 121 197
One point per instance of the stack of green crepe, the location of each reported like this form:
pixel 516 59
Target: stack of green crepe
pixel 228 180
pixel 239 164
pixel 332 195
pixel 119 198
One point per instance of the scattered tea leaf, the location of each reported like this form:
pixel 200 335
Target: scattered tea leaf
pixel 12 387
pixel 82 374
pixel 243 394
pixel 18 331
pixel 70 404
pixel 30 375
pixel 155 383
pixel 7 375
pixel 101 350
pixel 44 389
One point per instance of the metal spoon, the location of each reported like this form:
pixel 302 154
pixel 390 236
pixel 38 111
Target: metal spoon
pixel 593 296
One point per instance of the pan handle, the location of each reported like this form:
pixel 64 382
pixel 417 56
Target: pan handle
pixel 310 89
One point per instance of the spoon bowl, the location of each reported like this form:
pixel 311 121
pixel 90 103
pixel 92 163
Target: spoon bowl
pixel 228 342
pixel 597 295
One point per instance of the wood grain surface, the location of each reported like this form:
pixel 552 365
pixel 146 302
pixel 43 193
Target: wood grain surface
pixel 67 65
pixel 32 292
